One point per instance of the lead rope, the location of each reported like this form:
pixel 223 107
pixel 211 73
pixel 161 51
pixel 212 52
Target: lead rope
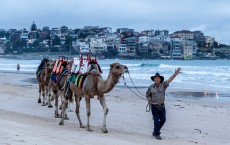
pixel 147 109
pixel 134 85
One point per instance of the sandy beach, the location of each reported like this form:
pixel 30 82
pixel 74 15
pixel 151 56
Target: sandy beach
pixel 25 122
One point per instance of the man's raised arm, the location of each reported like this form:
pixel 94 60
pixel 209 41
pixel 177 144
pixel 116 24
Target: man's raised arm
pixel 177 71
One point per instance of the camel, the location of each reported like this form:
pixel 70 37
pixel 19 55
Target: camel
pixel 43 76
pixel 94 85
pixel 58 87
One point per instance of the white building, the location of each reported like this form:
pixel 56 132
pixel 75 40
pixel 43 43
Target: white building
pixel 187 47
pixel 3 40
pixel 97 47
pixel 143 39
pixel 83 47
pixel 176 48
pixel 122 48
pixel 25 34
pixel 162 37
pixel 183 49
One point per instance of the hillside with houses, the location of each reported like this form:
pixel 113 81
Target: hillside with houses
pixel 108 43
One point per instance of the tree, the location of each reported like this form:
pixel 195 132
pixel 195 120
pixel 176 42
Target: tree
pixel 68 43
pixel 8 48
pixel 33 27
pixel 56 41
pixel 36 43
pixel 110 53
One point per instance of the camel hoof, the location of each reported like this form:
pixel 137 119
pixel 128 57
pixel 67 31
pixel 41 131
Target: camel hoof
pixel 39 101
pixel 60 107
pixel 82 126
pixel 66 118
pixel 57 116
pixel 104 130
pixel 61 123
pixel 50 106
pixel 43 104
pixel 88 129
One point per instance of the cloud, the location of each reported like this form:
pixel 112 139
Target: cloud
pixel 210 16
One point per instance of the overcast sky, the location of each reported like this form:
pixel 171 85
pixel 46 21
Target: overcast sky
pixel 210 16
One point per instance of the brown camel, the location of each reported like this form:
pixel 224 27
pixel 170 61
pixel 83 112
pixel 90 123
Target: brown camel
pixel 94 85
pixel 58 86
pixel 43 76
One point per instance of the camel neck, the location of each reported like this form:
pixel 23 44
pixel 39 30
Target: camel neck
pixel 108 84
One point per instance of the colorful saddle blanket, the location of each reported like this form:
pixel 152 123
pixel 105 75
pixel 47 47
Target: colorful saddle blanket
pixel 56 78
pixel 78 79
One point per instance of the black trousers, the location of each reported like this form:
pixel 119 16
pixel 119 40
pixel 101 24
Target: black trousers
pixel 159 115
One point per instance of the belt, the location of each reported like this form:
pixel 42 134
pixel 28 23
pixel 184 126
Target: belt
pixel 158 104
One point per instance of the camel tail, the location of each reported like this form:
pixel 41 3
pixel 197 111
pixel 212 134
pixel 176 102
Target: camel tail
pixel 68 93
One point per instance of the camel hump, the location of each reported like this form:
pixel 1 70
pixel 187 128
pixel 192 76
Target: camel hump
pixel 95 72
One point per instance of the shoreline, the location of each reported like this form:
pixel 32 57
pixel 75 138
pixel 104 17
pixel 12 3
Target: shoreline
pixel 40 55
pixel 193 94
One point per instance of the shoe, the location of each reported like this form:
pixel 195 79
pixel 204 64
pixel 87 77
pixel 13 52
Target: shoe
pixel 158 137
pixel 153 134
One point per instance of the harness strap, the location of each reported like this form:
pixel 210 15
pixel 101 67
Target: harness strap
pixel 39 70
pixel 62 74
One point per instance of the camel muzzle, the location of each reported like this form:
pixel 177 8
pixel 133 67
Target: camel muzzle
pixel 126 69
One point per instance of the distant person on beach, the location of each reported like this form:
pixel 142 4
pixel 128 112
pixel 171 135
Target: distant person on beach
pixel 18 67
pixel 156 97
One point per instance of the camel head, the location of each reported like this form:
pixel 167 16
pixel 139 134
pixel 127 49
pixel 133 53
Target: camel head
pixel 118 69
pixel 49 66
pixel 67 65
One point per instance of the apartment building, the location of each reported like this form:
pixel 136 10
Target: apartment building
pixel 184 34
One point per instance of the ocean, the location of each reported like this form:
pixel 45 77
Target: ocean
pixel 197 75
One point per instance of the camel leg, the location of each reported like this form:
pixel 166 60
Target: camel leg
pixel 88 111
pixel 46 94
pixel 77 100
pixel 64 105
pixel 49 95
pixel 55 93
pixel 43 95
pixel 60 107
pixel 61 93
pixel 39 98
pixel 49 100
pixel 52 97
pixel 66 117
pixel 105 109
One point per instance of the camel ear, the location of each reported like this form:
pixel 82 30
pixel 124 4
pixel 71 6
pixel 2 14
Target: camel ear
pixel 111 65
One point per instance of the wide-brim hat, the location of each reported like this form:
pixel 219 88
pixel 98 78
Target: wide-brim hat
pixel 157 75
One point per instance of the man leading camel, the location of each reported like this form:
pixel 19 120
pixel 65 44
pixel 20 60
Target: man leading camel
pixel 156 97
